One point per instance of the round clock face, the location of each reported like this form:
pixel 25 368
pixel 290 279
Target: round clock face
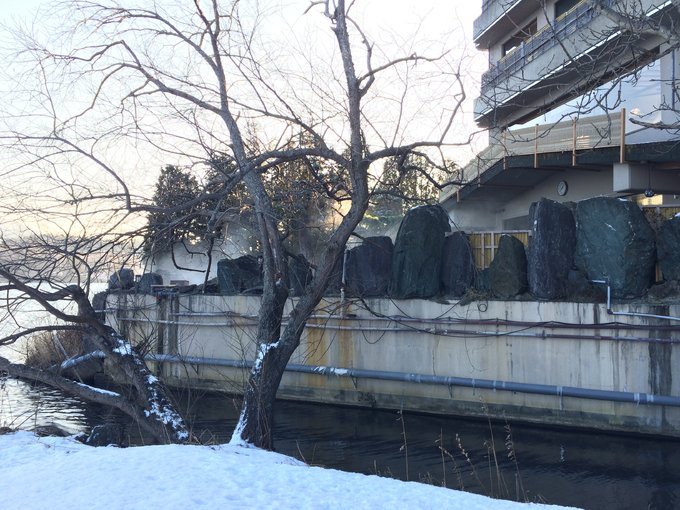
pixel 562 188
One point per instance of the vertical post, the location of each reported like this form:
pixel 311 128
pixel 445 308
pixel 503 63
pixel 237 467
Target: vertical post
pixel 622 142
pixel 173 327
pixel 536 146
pixel 504 142
pixel 343 301
pixel 161 326
pixel 481 238
pixel 573 140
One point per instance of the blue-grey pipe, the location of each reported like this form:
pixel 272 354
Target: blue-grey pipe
pixel 486 384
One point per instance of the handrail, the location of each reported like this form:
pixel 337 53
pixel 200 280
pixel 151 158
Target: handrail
pixel 597 131
pixel 492 10
pixel 543 40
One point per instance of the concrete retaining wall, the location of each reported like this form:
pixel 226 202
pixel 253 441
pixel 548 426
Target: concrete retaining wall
pixel 518 360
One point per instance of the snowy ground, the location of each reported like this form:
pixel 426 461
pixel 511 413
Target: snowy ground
pixel 57 473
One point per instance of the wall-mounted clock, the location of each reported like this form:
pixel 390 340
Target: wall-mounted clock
pixel 562 188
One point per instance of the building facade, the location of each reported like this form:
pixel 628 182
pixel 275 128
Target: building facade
pixel 581 99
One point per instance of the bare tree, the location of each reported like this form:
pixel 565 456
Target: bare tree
pixel 188 81
pixel 32 270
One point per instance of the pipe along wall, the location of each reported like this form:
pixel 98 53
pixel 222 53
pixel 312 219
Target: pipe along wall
pixel 567 364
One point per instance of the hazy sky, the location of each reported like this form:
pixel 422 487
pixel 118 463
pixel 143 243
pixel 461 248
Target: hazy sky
pixel 446 23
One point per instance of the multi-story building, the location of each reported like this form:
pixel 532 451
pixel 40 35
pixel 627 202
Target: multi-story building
pixel 580 100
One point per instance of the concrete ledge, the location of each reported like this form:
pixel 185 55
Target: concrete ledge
pixel 521 349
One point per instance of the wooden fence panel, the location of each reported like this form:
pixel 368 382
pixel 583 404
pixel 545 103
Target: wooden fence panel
pixel 485 244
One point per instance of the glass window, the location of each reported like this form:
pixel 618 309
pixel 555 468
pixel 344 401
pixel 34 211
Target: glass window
pixel 526 33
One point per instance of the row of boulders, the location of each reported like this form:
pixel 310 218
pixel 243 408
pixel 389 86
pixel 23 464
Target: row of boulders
pixel 124 279
pixel 243 275
pixel 423 262
pixel 577 250
pixel 573 247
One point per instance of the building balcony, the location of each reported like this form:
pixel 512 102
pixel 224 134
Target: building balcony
pixel 579 51
pixel 499 18
pixel 524 158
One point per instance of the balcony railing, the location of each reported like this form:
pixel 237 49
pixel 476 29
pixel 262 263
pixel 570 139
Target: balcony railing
pixel 593 132
pixel 544 40
pixel 491 11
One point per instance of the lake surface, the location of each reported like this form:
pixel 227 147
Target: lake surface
pixel 586 470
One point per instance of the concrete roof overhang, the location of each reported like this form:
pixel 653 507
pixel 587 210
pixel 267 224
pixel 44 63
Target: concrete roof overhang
pixel 513 175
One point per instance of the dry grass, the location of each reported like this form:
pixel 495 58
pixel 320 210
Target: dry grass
pixel 47 349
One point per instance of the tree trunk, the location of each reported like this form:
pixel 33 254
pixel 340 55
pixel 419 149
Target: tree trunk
pixel 256 422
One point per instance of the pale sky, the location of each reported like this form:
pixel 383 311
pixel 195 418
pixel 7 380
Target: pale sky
pixel 429 18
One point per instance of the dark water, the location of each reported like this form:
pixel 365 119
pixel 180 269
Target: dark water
pixel 586 470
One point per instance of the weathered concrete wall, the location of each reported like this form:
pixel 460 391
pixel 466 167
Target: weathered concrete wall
pixel 562 345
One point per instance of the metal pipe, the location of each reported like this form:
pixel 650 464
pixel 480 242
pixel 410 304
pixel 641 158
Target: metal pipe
pixel 446 332
pixel 178 323
pixel 630 314
pixel 478 322
pixel 518 334
pixel 486 384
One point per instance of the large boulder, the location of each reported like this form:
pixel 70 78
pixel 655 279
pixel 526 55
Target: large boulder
pixel 458 265
pixel 300 274
pixel 416 264
pixel 615 243
pixel 551 250
pixel 668 246
pixel 582 290
pixel 99 304
pixel 507 274
pixel 240 275
pixel 369 266
pixel 147 281
pixel 123 279
pixel 212 286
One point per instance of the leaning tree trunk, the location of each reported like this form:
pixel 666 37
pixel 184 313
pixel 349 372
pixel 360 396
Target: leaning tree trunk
pixel 143 398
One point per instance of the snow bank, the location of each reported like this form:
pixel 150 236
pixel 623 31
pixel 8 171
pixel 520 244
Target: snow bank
pixel 57 473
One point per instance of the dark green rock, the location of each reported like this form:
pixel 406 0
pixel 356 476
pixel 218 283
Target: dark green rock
pixel 551 249
pixel 614 242
pixel 507 272
pixel 416 264
pixel 147 281
pixel 123 279
pixel 668 245
pixel 458 265
pixel 212 286
pixel 240 275
pixel 99 304
pixel 369 267
pixel 582 290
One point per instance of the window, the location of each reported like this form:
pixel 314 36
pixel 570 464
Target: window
pixel 521 36
pixel 564 6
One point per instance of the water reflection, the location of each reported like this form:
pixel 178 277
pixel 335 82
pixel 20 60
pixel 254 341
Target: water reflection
pixel 28 406
pixel 586 470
